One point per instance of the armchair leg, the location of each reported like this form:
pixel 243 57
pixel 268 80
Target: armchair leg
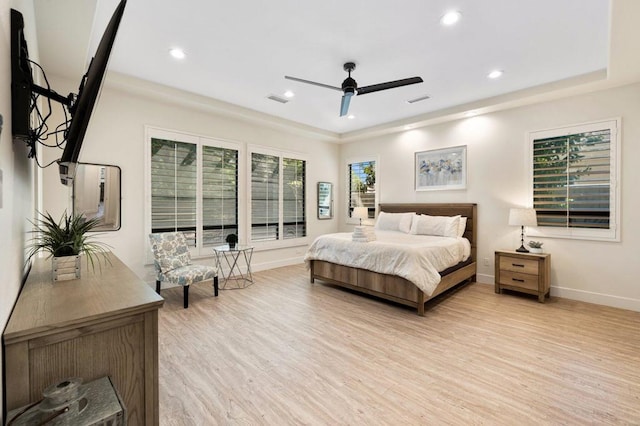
pixel 215 286
pixel 158 286
pixel 186 296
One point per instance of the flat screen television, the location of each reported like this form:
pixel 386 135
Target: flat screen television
pixel 80 107
pixel 21 80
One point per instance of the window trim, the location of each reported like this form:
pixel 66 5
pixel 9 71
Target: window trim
pixel 347 183
pixel 613 233
pixel 199 140
pixel 281 242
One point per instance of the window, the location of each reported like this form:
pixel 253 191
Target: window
pixel 219 194
pixel 265 197
pixel 362 186
pixel 173 187
pixel 293 193
pixel 278 194
pixel 574 181
pixel 193 187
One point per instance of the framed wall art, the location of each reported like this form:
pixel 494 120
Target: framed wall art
pixel 441 169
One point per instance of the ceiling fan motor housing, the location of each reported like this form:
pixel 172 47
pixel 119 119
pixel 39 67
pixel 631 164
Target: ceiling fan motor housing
pixel 349 85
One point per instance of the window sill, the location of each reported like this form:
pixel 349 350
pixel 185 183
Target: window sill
pixel 608 235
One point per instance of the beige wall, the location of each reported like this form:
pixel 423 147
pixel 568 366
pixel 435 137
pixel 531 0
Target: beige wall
pixel 116 136
pixel 497 173
pixel 17 193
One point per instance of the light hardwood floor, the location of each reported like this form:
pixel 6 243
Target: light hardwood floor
pixel 285 351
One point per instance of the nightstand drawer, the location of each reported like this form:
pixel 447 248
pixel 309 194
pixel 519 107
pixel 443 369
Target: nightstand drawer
pixel 517 279
pixel 514 264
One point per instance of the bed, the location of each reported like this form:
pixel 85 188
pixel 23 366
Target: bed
pixel 396 288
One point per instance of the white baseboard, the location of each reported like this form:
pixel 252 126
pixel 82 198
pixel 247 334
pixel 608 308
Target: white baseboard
pixel 255 267
pixel 597 298
pixel 581 295
pixel 485 279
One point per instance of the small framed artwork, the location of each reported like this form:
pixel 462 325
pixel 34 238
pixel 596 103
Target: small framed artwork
pixel 325 200
pixel 441 169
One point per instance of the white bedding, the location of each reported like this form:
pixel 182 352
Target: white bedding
pixel 417 258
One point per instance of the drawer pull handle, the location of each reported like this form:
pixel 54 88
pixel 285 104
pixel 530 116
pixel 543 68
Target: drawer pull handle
pixel 519 265
pixel 517 279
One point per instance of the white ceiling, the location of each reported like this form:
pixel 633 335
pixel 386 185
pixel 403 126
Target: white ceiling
pixel 240 51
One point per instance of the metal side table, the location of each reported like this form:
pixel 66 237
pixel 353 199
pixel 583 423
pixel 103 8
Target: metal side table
pixel 238 262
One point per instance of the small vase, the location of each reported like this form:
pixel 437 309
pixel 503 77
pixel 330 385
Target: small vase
pixel 65 268
pixel 535 250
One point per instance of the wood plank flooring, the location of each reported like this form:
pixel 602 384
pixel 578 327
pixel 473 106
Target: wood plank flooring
pixel 284 351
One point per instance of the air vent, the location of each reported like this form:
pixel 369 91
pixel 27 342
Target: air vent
pixel 278 99
pixel 421 98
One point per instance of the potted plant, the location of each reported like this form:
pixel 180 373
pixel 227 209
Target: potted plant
pixel 535 247
pixel 65 241
pixel 232 239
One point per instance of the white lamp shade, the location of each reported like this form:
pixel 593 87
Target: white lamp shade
pixel 523 217
pixel 360 213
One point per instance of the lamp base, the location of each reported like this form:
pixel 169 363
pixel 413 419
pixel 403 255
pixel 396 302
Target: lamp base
pixel 522 249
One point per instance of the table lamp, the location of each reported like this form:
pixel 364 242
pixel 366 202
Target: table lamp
pixel 522 218
pixel 360 213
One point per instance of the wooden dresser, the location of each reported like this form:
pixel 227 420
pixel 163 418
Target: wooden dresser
pixel 523 272
pixel 105 323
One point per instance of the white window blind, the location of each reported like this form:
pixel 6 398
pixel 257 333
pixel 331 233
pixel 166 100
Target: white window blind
pixel 293 192
pixel 574 180
pixel 173 187
pixel 278 193
pixel 362 186
pixel 219 194
pixel 265 197
pixel 194 189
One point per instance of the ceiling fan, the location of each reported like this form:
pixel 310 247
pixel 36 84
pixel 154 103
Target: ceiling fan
pixel 350 87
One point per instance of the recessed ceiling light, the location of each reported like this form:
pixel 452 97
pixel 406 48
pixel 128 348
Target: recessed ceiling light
pixel 351 116
pixel 289 94
pixel 495 74
pixel 450 18
pixel 177 53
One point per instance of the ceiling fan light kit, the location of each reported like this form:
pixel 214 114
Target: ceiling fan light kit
pixel 350 87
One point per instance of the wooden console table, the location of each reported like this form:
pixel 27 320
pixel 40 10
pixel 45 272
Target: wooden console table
pixel 105 323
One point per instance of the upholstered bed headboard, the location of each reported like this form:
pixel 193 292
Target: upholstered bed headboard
pixel 468 210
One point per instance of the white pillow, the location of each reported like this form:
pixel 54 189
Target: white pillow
pixel 440 226
pixel 394 222
pixel 462 225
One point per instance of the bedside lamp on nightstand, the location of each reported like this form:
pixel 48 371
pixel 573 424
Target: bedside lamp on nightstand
pixel 522 218
pixel 360 213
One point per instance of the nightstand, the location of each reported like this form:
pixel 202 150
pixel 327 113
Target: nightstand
pixel 523 272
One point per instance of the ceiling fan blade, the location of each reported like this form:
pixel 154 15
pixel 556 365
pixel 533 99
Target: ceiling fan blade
pixel 312 82
pixel 344 105
pixel 388 85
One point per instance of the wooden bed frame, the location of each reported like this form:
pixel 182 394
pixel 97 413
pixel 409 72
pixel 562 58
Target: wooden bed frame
pixel 396 288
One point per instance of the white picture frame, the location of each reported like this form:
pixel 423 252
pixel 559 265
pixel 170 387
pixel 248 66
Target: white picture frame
pixel 441 169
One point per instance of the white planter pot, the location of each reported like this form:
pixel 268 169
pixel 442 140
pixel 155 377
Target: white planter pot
pixel 65 268
pixel 535 250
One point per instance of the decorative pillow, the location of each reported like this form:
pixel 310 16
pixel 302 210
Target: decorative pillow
pixel 394 222
pixel 462 226
pixel 440 226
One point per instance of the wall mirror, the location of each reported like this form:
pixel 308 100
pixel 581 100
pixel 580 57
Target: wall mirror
pixel 325 200
pixel 96 194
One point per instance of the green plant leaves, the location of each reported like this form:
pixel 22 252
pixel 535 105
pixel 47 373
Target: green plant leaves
pixel 67 237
